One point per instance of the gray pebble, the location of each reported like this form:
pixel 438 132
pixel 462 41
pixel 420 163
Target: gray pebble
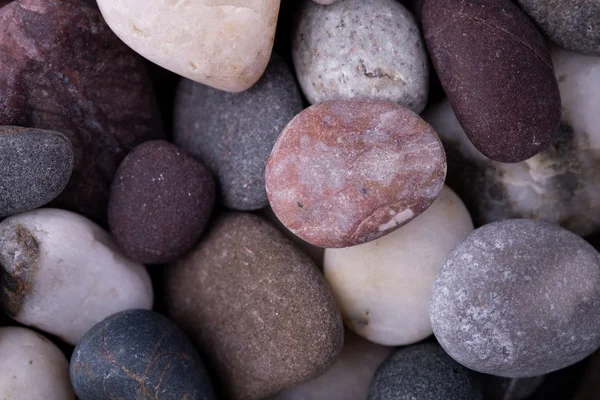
pixel 35 166
pixel 233 133
pixel 361 48
pixel 518 298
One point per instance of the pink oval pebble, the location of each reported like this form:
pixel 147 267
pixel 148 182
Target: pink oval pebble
pixel 347 172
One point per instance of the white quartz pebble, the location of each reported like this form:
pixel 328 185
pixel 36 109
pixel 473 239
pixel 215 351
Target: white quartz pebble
pixel 63 273
pixel 384 287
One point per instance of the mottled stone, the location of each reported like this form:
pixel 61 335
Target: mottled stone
pixel 160 202
pixel 32 367
pixel 35 166
pixel 61 68
pixel 424 372
pixel 498 388
pixel 518 298
pixel 384 287
pixel 495 68
pixel 561 184
pixel 225 45
pixel 573 25
pixel 234 133
pixel 361 49
pixel 257 307
pixel 138 354
pixel 347 172
pixel 63 274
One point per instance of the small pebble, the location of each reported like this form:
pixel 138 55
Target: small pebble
pixel 424 372
pixel 518 298
pixel 361 49
pixel 160 203
pixel 256 306
pixel 495 68
pixel 384 287
pixel 138 354
pixel 63 274
pixel 234 133
pixel 35 166
pixel 347 172
pixel 32 367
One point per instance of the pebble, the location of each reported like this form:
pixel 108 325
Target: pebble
pixel 220 44
pixel 35 166
pixel 32 367
pixel 361 49
pixel 160 203
pixel 138 354
pixel 384 287
pixel 72 75
pixel 496 70
pixel 424 372
pixel 561 184
pixel 518 298
pixel 257 307
pixel 326 2
pixel 573 25
pixel 63 273
pixel 234 133
pixel 347 172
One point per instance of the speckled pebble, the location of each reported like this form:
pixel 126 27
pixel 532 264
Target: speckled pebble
pixel 35 167
pixel 518 298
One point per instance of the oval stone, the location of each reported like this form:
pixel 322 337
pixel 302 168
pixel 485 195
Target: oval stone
pixel 347 172
pixel 138 354
pixel 495 68
pixel 63 274
pixel 518 298
pixel 35 167
pixel 257 307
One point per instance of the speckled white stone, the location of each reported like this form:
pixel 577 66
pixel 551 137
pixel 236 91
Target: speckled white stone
pixel 32 367
pixel 71 274
pixel 383 287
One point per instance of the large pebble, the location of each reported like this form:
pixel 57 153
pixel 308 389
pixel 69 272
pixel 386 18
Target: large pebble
pixel 518 298
pixel 573 25
pixel 496 70
pixel 160 202
pixel 365 49
pixel 424 372
pixel 347 172
pixel 63 274
pixel 225 45
pixel 32 367
pixel 561 184
pixel 257 307
pixel 138 354
pixel 384 287
pixel 35 166
pixel 234 133
pixel 61 68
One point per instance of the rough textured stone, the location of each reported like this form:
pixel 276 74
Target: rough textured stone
pixel 498 388
pixel 424 372
pixel 347 172
pixel 561 184
pixel 257 307
pixel 63 274
pixel 234 133
pixel 361 48
pixel 325 1
pixel 573 25
pixel 138 354
pixel 384 287
pixel 518 298
pixel 35 166
pixel 32 367
pixel 61 68
pixel 496 70
pixel 160 202
pixel 225 45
